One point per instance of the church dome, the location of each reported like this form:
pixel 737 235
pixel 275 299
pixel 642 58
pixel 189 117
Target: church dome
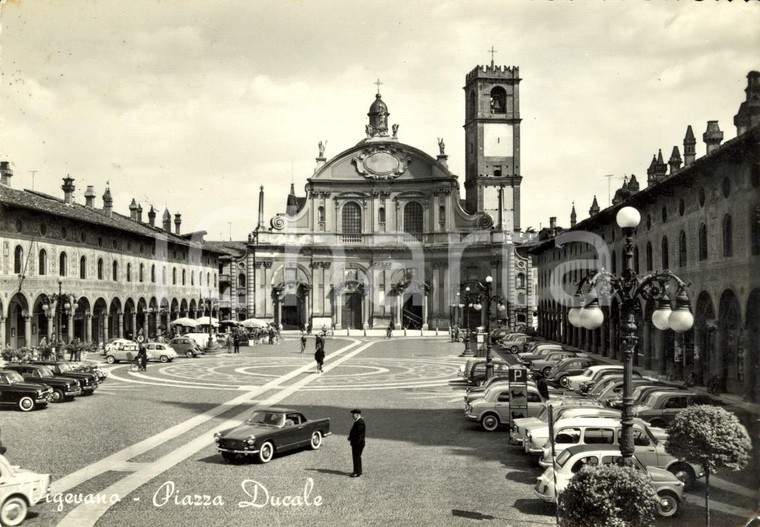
pixel 378 106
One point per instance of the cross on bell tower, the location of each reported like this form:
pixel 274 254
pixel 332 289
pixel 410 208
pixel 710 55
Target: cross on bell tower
pixel 492 51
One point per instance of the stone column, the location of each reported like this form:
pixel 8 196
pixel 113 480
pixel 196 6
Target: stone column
pixel 678 356
pixel 105 326
pixel 306 307
pixel 157 314
pixel 399 310
pixel 146 324
pixel 49 327
pixel 425 298
pixel 70 325
pixel 120 322
pixel 27 330
pixel 2 330
pixel 659 351
pixel 88 327
pixel 134 324
pixel 278 313
pixel 337 309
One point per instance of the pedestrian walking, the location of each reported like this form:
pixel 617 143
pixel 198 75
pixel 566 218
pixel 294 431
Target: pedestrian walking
pixel 229 343
pixel 303 342
pixel 236 341
pixel 142 358
pixel 389 331
pixel 319 354
pixel 541 386
pixel 271 335
pixel 356 437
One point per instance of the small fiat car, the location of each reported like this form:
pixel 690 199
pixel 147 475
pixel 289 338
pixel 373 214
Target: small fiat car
pixel 19 489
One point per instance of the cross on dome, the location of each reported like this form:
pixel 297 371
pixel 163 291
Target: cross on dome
pixel 378 84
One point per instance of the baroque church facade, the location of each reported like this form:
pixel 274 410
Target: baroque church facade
pixel 382 236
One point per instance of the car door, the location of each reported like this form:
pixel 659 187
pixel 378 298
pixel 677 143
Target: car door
pixel 672 405
pixel 501 405
pixel 535 404
pixel 643 446
pixel 290 435
pixel 5 390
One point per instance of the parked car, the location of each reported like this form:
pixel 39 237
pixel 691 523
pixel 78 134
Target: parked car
pixel 545 364
pixel 649 444
pixel 87 381
pixel 668 487
pixel 521 428
pixel 493 408
pixel 156 351
pixel 538 352
pixel 99 372
pixel 612 387
pixel 478 372
pixel 567 367
pixel 26 396
pixel 64 388
pixel 537 436
pixel 498 334
pixel 515 344
pixel 660 407
pixel 117 344
pixel 271 431
pixel 19 489
pixel 186 346
pixel 592 375
pixel 601 376
pixel 640 393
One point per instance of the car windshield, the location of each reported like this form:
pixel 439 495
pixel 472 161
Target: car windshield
pixel 14 376
pixel 649 399
pixel 65 367
pixel 45 372
pixel 588 373
pixel 266 418
pixel 562 458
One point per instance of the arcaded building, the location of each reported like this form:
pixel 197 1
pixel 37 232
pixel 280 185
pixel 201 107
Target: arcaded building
pixel 381 235
pixel 115 274
pixel 700 219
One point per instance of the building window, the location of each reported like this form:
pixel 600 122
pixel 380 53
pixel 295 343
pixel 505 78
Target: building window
pixel 755 230
pixel 183 276
pixel 153 273
pixel 174 276
pixel 442 215
pixel 241 280
pixel 665 262
pixel 83 268
pixel 472 105
pixel 192 277
pixel 703 242
pixel 682 256
pixel 649 256
pixel 214 279
pixel 701 196
pixel 208 278
pixel 726 187
pixel 43 263
pixel 520 281
pixel 498 100
pixel 321 214
pixel 141 276
pixel 381 215
pixel 664 214
pixel 63 261
pixel 129 272
pixel 413 218
pixel 614 262
pixel 649 221
pixel 352 218
pixel 18 259
pixel 163 275
pixel 100 268
pixel 43 229
pixel 681 207
pixel 115 271
pixel 728 236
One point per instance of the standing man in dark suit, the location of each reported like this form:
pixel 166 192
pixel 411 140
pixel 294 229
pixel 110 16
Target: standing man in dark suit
pixel 356 438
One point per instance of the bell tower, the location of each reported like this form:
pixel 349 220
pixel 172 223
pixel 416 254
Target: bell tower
pixel 492 143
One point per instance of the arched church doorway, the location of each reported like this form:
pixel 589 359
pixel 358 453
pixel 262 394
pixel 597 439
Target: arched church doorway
pixel 292 312
pixel 411 316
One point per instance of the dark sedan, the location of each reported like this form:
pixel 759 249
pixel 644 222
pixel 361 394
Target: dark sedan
pixel 25 396
pixel 270 431
pixel 64 388
pixel 88 381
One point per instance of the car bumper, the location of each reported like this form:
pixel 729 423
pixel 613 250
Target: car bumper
pixel 471 417
pixel 90 389
pixel 530 449
pixel 232 451
pixel 45 399
pixel 73 393
pixel 544 463
pixel 546 497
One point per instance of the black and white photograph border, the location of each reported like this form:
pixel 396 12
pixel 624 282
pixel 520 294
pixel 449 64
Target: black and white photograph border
pixel 280 262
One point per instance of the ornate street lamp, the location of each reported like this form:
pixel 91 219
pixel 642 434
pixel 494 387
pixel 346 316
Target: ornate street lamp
pixel 484 300
pixel 467 297
pixel 628 288
pixel 57 305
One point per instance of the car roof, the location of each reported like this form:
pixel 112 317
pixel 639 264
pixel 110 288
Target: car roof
pixel 22 365
pixel 577 449
pixel 591 421
pixel 277 410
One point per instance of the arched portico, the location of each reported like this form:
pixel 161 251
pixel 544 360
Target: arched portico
pixel 18 323
pixel 730 366
pixel 130 319
pixel 100 321
pixel 752 348
pixel 115 320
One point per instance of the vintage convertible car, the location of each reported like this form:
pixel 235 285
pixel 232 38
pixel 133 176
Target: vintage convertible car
pixel 269 431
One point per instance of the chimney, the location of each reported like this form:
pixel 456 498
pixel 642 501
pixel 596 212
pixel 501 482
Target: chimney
pixel 652 171
pixel 633 184
pixel 6 173
pixel 108 203
pixel 152 217
pixel 573 217
pixel 133 210
pixel 167 221
pixel 177 223
pixel 689 147
pixel 675 160
pixel 594 207
pixel 662 168
pixel 712 136
pixel 261 208
pixel 749 111
pixel 68 190
pixel 139 212
pixel 89 197
pixel 553 226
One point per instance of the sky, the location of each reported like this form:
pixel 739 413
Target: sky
pixel 192 105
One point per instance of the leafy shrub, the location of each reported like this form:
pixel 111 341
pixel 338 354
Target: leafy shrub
pixel 609 495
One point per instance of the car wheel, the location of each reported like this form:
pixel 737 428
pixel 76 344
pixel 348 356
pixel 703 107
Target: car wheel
pixel 514 349
pixel 545 371
pixel 57 396
pixel 189 354
pixel 13 511
pixel 26 404
pixel 684 473
pixel 316 440
pixel 164 358
pixel 490 422
pixel 266 452
pixel 110 359
pixel 667 507
pixel 563 381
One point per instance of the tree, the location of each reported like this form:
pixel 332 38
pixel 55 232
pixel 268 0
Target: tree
pixel 712 437
pixel 610 495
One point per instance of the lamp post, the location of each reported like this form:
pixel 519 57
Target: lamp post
pixel 484 302
pixel 60 304
pixel 628 288
pixel 467 304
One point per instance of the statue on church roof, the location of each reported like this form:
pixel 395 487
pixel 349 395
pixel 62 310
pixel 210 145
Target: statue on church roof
pixel 441 146
pixel 322 148
pixel 395 131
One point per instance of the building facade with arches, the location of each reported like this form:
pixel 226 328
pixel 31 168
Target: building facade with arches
pixel 116 275
pixel 701 221
pixel 382 237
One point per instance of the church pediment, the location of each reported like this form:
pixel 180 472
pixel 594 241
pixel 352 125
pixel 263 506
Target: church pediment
pixel 381 161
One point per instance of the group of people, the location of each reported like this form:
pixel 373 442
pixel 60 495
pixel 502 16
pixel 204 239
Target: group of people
pixel 319 348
